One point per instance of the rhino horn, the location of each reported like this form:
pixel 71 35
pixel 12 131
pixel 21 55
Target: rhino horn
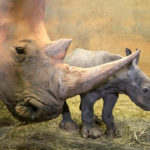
pixel 57 49
pixel 75 80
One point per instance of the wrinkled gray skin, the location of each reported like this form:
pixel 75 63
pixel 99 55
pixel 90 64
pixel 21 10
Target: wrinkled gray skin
pixel 130 81
pixel 35 81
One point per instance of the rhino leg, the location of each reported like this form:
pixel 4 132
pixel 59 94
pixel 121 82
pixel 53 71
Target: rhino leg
pixel 67 123
pixel 89 128
pixel 109 103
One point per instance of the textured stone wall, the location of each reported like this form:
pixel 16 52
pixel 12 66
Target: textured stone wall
pixel 109 25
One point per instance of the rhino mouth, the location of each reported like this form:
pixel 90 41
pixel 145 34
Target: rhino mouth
pixel 141 103
pixel 25 110
pixel 139 100
pixel 33 110
pixel 144 107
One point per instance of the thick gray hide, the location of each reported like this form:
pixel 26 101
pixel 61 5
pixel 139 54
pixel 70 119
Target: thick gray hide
pixel 130 81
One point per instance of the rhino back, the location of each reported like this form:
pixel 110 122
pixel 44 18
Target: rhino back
pixel 85 58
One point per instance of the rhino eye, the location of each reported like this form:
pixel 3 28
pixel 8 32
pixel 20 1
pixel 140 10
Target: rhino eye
pixel 20 50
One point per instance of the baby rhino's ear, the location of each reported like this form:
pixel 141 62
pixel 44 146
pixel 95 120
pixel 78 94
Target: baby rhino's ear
pixel 129 52
pixel 57 50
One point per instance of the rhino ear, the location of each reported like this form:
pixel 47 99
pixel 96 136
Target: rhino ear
pixel 128 52
pixel 57 50
pixel 136 60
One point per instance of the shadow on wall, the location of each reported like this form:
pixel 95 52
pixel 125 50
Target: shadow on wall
pixel 102 25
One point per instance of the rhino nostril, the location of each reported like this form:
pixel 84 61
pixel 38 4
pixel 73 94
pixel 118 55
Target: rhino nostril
pixel 20 50
pixel 145 90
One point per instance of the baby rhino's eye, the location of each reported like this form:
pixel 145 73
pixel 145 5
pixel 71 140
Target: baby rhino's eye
pixel 20 50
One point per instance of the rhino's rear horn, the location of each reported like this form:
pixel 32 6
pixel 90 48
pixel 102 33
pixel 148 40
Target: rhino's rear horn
pixel 57 50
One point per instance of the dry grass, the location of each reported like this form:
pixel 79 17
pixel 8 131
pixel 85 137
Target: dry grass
pixel 131 120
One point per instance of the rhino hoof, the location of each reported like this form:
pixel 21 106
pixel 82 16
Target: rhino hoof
pixel 68 126
pixel 93 132
pixel 112 133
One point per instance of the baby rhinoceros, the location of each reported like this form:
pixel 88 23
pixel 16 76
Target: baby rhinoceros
pixel 130 80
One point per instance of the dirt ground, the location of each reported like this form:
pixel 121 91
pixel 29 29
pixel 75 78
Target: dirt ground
pixel 132 122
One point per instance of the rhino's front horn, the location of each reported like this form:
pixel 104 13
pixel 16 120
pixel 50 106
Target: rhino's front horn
pixel 74 80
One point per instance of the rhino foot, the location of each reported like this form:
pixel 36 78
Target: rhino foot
pixel 68 125
pixel 112 133
pixel 93 132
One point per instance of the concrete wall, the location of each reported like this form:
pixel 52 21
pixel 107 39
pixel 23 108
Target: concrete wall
pixel 109 25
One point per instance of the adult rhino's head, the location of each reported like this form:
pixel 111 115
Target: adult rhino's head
pixel 138 88
pixel 27 74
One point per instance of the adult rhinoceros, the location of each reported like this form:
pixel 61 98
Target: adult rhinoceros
pixel 34 80
pixel 130 80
